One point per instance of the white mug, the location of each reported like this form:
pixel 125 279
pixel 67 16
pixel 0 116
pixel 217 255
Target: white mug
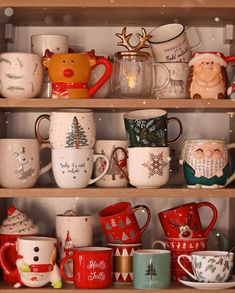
pixel 20 162
pixel 57 44
pixel 72 230
pixel 21 75
pixel 148 167
pixel 171 79
pixel 72 168
pixel 69 128
pixel 169 43
pixel 114 176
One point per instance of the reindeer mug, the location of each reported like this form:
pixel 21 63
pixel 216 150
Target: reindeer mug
pixel 171 79
pixel 20 162
pixel 184 221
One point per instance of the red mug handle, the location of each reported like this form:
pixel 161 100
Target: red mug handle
pixel 104 77
pixel 3 260
pixel 63 261
pixel 214 218
pixel 145 209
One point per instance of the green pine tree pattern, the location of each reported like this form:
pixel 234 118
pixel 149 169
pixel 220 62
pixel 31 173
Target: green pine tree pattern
pixel 76 137
pixel 151 270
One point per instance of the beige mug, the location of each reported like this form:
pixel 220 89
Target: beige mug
pixel 20 162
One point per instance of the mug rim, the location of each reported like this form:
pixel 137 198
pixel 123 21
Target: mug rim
pixel 163 27
pixel 72 110
pixel 104 214
pixel 88 249
pixel 73 216
pixel 123 245
pixel 36 238
pixel 148 114
pixel 49 35
pixel 20 53
pixel 203 140
pixel 148 251
pixel 212 253
pixel 177 207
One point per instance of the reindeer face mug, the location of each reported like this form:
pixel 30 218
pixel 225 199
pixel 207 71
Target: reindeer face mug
pixel 184 221
pixel 20 162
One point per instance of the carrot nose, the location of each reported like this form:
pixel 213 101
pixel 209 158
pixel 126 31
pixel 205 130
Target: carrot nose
pixel 68 72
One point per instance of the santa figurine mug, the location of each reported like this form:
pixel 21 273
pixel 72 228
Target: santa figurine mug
pixel 206 164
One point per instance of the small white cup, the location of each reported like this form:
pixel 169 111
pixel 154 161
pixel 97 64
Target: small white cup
pixel 209 266
pixel 21 75
pixel 57 44
pixel 72 168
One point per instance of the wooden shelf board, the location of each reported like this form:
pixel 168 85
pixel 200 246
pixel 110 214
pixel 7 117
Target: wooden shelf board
pixel 179 105
pixel 124 288
pixel 129 192
pixel 119 12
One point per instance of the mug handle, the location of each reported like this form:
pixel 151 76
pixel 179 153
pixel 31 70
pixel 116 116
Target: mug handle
pixel 162 243
pixel 167 74
pixel 62 263
pixel 3 260
pixel 108 70
pixel 145 209
pixel 46 168
pixel 169 120
pixel 214 218
pixel 117 163
pixel 36 128
pixel 190 259
pixel 199 35
pixel 105 169
pixel 231 177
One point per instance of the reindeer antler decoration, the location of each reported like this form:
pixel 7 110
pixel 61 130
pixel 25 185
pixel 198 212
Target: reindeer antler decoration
pixel 126 40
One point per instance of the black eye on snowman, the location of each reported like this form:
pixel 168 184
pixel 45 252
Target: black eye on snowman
pixel 36 249
pixel 36 258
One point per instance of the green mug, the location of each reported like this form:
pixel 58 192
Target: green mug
pixel 151 269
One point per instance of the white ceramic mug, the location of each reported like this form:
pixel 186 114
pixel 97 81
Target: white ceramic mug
pixel 69 128
pixel 169 43
pixel 148 167
pixel 171 79
pixel 20 162
pixel 72 168
pixel 72 230
pixel 114 176
pixel 209 266
pixel 21 75
pixel 58 44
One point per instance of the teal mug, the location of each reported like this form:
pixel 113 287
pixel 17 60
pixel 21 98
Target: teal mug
pixel 148 128
pixel 151 269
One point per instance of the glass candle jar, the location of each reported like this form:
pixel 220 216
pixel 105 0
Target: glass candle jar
pixel 132 75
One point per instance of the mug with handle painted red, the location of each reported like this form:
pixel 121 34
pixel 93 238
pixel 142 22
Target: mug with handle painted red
pixel 184 221
pixel 92 267
pixel 120 224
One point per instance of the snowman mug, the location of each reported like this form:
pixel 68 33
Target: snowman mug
pixel 35 264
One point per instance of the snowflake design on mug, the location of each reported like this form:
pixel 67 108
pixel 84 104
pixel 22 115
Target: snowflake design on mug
pixel 155 165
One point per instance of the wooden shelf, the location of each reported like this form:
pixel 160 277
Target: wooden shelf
pixel 124 288
pixel 115 105
pixel 129 192
pixel 119 12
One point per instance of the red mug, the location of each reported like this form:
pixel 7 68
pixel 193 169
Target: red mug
pixel 184 221
pixel 92 267
pixel 178 246
pixel 120 224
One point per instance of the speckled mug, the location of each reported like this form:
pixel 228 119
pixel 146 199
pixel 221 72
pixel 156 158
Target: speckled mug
pixel 21 75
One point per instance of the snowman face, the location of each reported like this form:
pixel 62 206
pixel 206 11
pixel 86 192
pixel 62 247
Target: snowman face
pixel 41 251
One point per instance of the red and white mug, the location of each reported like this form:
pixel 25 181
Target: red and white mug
pixel 92 267
pixel 184 221
pixel 120 224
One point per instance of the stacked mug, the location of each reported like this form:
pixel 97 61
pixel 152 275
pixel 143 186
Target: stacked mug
pixel 184 233
pixel 123 235
pixel 172 52
pixel 148 153
pixel 72 134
